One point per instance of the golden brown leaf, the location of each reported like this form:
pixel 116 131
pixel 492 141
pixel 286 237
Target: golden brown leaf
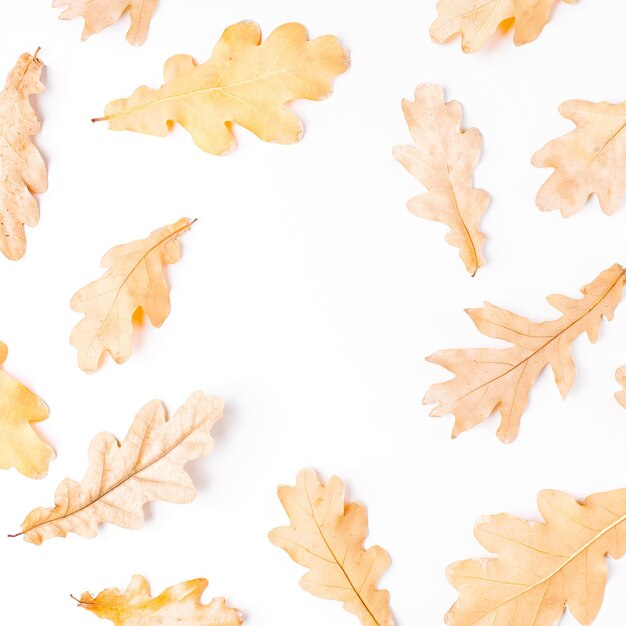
pixel 478 20
pixel 179 604
pixel 327 536
pixel 590 159
pixel 443 160
pixel 20 446
pixel 244 82
pixel 148 465
pixel 489 379
pixel 542 567
pixel 22 168
pixel 100 14
pixel 134 280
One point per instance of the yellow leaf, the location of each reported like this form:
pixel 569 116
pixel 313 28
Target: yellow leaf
pixel 327 536
pixel 542 567
pixel 588 160
pixel 20 447
pixel 443 160
pixel 176 605
pixel 134 280
pixel 490 379
pixel 22 169
pixel 478 20
pixel 148 465
pixel 244 82
pixel 100 14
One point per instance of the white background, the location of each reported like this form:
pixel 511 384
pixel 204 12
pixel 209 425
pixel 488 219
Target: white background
pixel 308 297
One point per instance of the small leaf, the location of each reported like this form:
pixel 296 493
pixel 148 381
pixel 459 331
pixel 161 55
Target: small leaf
pixel 244 82
pixel 181 604
pixel 134 280
pixel 443 160
pixel 542 568
pixel 488 379
pixel 327 536
pixel 148 465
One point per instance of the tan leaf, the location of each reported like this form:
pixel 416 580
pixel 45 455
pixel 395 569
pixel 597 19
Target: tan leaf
pixel 244 82
pixel 135 280
pixel 489 379
pixel 100 14
pixel 327 536
pixel 590 159
pixel 20 446
pixel 478 20
pixel 22 168
pixel 443 160
pixel 122 477
pixel 542 567
pixel 179 604
pixel 620 376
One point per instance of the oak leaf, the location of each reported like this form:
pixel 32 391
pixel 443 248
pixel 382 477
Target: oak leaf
pixel 135 280
pixel 590 159
pixel 179 604
pixel 327 536
pixel 541 568
pixel 478 20
pixel 22 168
pixel 122 477
pixel 489 379
pixel 100 14
pixel 620 376
pixel 20 446
pixel 244 82
pixel 443 160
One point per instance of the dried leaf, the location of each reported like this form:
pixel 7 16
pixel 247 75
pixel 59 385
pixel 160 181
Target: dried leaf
pixel 100 14
pixel 490 379
pixel 620 376
pixel 542 567
pixel 134 280
pixel 443 160
pixel 122 477
pixel 22 168
pixel 20 446
pixel 176 605
pixel 244 82
pixel 327 536
pixel 590 159
pixel 478 20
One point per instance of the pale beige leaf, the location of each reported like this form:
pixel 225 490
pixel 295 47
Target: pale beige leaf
pixel 22 168
pixel 620 376
pixel 135 280
pixel 177 605
pixel 489 379
pixel 478 20
pixel 20 446
pixel 100 14
pixel 122 477
pixel 589 160
pixel 443 160
pixel 541 568
pixel 326 535
pixel 244 82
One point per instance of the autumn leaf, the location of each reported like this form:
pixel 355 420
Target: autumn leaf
pixel 588 160
pixel 327 536
pixel 122 477
pixel 478 20
pixel 134 280
pixel 20 446
pixel 100 14
pixel 179 604
pixel 489 379
pixel 443 160
pixel 244 82
pixel 22 168
pixel 541 568
pixel 620 376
